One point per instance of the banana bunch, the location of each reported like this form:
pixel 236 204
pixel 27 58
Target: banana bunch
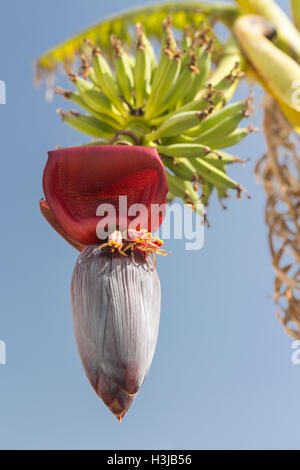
pixel 174 103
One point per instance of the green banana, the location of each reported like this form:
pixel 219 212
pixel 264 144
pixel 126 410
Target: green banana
pixel 175 186
pixel 124 73
pixel 204 67
pixel 186 42
pixel 158 95
pixel 215 96
pixel 185 170
pixel 105 78
pixel 220 122
pixel 94 98
pixel 161 71
pixel 86 71
pixel 143 70
pixel 220 159
pixel 180 88
pixel 183 189
pixel 87 124
pixel 151 54
pixel 234 137
pixel 177 124
pixel 215 176
pixel 207 189
pixel 77 99
pixel 184 150
pixel 182 168
pixel 219 132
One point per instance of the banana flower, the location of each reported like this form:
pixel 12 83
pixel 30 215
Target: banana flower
pixel 115 294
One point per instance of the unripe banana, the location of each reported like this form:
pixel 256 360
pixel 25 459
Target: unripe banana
pixel 221 191
pixel 187 152
pixel 168 40
pixel 94 98
pixel 220 120
pixel 185 170
pixel 181 167
pixel 215 96
pixel 186 41
pixel 87 124
pixel 234 137
pixel 151 54
pixel 204 67
pixel 222 194
pixel 217 177
pixel 231 66
pixel 220 159
pixel 93 78
pixel 158 95
pixel 77 99
pixel 199 106
pixel 185 190
pixel 238 108
pixel 220 131
pixel 180 88
pixel 124 71
pixel 105 79
pixel 158 81
pixel 193 197
pixel 143 70
pixel 175 186
pixel 177 124
pixel 85 70
pixel 207 189
pixel 184 150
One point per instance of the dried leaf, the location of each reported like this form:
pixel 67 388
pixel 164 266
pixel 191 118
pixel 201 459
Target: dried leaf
pixel 279 171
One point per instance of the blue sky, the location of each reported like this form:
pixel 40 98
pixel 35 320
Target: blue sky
pixel 222 376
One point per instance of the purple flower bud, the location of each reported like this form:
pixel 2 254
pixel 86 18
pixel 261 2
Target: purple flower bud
pixel 116 304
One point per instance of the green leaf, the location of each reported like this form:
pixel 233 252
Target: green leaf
pixel 183 13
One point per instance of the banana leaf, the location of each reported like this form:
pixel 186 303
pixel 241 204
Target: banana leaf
pixel 183 13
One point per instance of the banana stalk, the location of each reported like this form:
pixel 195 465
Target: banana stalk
pixel 282 73
pixel 287 35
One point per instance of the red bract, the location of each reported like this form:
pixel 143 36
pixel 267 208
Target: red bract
pixel 78 180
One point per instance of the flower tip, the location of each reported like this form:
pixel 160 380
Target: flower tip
pixel 117 410
pixel 117 400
